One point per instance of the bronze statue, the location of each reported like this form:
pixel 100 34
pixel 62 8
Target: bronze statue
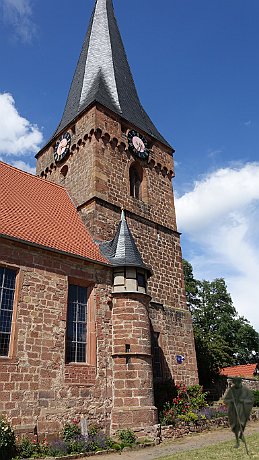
pixel 239 400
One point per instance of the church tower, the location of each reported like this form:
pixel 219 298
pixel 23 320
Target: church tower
pixel 109 155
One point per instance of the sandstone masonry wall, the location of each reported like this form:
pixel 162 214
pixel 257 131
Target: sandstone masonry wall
pixel 98 182
pixel 133 395
pixel 37 388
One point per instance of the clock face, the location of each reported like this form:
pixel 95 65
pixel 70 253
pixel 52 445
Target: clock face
pixel 138 144
pixel 62 147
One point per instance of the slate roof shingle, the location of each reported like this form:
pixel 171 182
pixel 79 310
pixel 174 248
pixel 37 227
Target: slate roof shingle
pixel 41 212
pixel 103 75
pixel 122 251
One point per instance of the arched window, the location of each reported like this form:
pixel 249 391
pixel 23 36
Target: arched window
pixel 135 177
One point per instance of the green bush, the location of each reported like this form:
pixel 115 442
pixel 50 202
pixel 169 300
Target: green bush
pixel 58 448
pixel 77 446
pixel 32 448
pixel 168 415
pixel 197 397
pixel 115 446
pixel 188 399
pixel 26 448
pixel 127 437
pixel 189 417
pixel 71 431
pixel 256 398
pixel 7 440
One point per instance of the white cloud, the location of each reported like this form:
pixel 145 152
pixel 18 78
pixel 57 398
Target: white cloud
pixel 18 136
pixel 18 14
pixel 24 166
pixel 218 195
pixel 220 217
pixel 21 165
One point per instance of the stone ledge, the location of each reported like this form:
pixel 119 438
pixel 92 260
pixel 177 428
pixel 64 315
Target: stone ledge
pixel 184 429
pixel 130 354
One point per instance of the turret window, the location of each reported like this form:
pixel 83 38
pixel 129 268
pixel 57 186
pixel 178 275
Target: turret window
pixel 130 279
pixel 141 279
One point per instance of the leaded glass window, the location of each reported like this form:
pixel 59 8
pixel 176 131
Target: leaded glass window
pixel 7 288
pixel 76 324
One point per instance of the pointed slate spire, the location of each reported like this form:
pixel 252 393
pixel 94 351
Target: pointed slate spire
pixel 122 250
pixel 103 75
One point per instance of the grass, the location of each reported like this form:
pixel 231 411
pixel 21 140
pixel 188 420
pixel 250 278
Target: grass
pixel 222 451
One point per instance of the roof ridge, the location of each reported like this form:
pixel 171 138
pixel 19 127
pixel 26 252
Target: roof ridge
pixel 33 175
pixel 239 365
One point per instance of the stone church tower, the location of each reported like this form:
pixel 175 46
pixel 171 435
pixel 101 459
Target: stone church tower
pixel 109 156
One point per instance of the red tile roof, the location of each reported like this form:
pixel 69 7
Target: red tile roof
pixel 40 212
pixel 243 370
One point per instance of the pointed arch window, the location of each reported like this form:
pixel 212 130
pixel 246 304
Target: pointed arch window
pixel 135 178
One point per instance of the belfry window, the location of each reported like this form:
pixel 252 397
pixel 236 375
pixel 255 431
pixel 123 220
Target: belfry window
pixel 76 324
pixel 7 288
pixel 135 182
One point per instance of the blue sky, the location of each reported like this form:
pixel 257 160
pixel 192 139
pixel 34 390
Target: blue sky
pixel 196 68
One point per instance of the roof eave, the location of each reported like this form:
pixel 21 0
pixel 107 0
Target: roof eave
pixel 116 264
pixel 55 250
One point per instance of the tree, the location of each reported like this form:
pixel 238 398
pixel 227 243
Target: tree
pixel 191 285
pixel 222 338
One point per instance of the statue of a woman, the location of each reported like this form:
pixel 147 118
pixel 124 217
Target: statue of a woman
pixel 239 400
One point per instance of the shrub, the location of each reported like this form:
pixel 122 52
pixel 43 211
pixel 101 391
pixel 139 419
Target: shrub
pixel 197 397
pixel 77 445
pixel 26 448
pixel 32 449
pixel 115 446
pixel 189 417
pixel 168 415
pixel 214 412
pixel 7 440
pixel 98 441
pixel 188 399
pixel 127 437
pixel 256 398
pixel 58 448
pixel 71 431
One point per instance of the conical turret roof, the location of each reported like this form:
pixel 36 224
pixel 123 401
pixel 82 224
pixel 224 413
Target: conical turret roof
pixel 103 75
pixel 122 251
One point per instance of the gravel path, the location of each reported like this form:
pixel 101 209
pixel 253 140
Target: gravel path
pixel 191 442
